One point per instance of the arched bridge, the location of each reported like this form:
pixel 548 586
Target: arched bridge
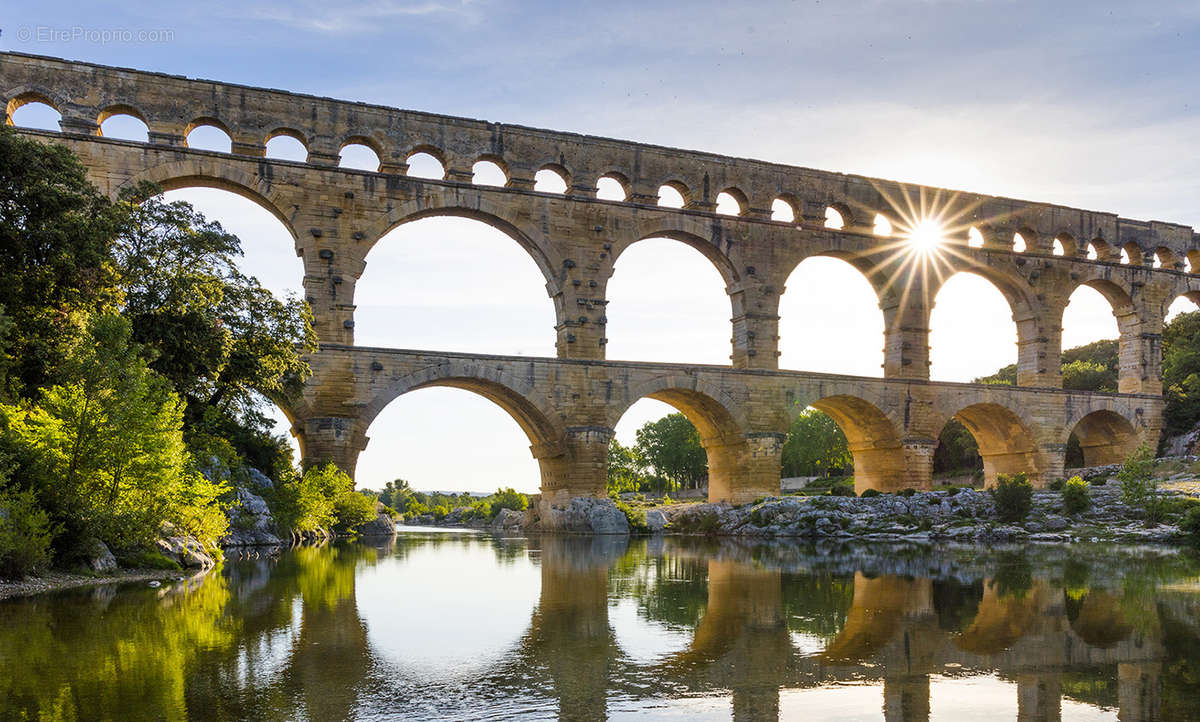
pixel 569 405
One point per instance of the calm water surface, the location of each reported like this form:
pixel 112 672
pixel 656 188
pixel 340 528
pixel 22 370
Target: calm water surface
pixel 470 627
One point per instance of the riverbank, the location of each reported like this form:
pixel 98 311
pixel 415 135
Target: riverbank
pixel 961 515
pixel 56 581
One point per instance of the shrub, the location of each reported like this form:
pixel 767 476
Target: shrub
pixel 1059 484
pixel 906 493
pixel 635 516
pixel 351 510
pixel 24 534
pixel 868 493
pixel 440 511
pixel 509 498
pixel 147 560
pixel 1013 496
pixel 841 490
pixel 1139 490
pixel 1190 524
pixel 1075 495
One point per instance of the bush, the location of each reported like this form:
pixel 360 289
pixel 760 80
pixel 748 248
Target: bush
pixel 24 535
pixel 147 560
pixel 906 493
pixel 440 511
pixel 351 510
pixel 1059 484
pixel 509 498
pixel 868 493
pixel 1075 496
pixel 1190 524
pixel 635 516
pixel 1139 490
pixel 1014 497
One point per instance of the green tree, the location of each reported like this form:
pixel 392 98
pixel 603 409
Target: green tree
pixel 815 446
pixel 222 339
pixel 106 452
pixel 1181 372
pixel 351 510
pixel 626 470
pixel 56 231
pixel 671 446
pixel 305 502
pixel 957 450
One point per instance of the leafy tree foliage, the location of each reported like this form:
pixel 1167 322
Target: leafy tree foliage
pixel 1181 372
pixel 626 468
pixel 105 452
pixel 222 339
pixel 815 446
pixel 55 235
pixel 957 450
pixel 671 447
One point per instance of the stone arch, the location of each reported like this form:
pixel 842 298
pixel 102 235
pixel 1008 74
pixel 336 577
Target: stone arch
pixel 799 312
pixel 370 141
pixel 681 230
pixel 1105 436
pixel 120 109
pixel 26 94
pixel 622 180
pixel 533 413
pixel 739 197
pixel 1006 441
pixel 213 173
pixel 873 441
pixel 1129 328
pixel 209 120
pixel 1023 305
pixel 721 422
pixel 494 215
pixel 288 132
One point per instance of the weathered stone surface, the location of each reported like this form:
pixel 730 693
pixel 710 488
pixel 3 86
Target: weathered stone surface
pixel 251 522
pixel 99 558
pixel 656 520
pixel 583 515
pixel 508 520
pixel 569 405
pixel 966 515
pixel 186 551
pixel 381 525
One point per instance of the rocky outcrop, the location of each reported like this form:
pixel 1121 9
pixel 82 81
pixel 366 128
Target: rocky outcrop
pixel 581 515
pixel 250 522
pixel 965 515
pixel 185 551
pixel 99 558
pixel 381 525
pixel 508 520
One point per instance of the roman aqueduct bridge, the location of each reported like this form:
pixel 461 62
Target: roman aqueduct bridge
pixel 568 405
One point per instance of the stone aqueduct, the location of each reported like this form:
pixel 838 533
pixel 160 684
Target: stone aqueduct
pixel 568 405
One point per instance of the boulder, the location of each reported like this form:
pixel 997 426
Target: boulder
pixel 584 515
pixel 259 479
pixel 656 520
pixel 251 522
pixel 99 559
pixel 508 520
pixel 381 525
pixel 187 551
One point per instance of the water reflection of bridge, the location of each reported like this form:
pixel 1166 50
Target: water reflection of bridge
pixel 899 631
pixel 893 634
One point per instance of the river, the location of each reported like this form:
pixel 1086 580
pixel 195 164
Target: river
pixel 465 626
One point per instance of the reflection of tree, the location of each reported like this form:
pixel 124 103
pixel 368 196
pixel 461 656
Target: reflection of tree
pixel 76 655
pixel 817 603
pixel 956 602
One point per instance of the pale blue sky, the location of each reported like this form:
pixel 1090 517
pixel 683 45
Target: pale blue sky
pixel 1086 104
